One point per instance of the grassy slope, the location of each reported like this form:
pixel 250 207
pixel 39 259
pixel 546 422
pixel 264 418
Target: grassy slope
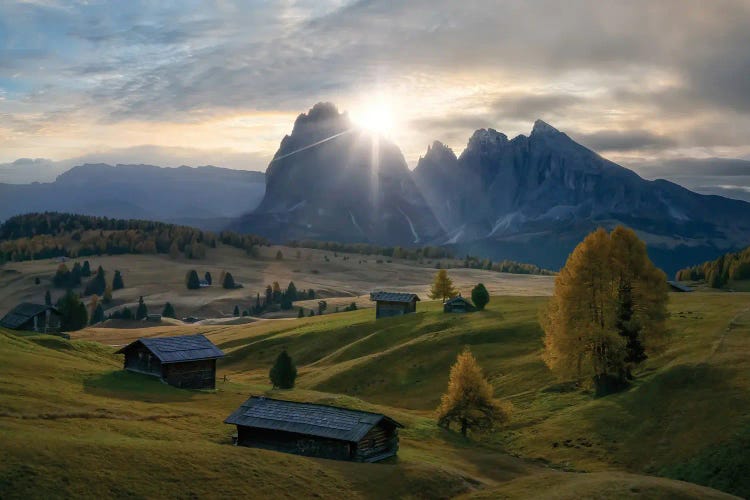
pixel 73 423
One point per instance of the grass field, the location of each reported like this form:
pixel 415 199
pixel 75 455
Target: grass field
pixel 339 278
pixel 73 424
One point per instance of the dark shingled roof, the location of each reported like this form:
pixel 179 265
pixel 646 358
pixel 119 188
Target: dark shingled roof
pixel 177 349
pixel 679 286
pixel 393 296
pixel 457 299
pixel 24 312
pixel 306 418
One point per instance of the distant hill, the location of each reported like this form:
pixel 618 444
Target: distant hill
pixel 205 197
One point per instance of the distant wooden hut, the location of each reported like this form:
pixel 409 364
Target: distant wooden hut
pixel 458 304
pixel 154 317
pixel 676 286
pixel 389 304
pixel 32 317
pixel 315 430
pixel 187 361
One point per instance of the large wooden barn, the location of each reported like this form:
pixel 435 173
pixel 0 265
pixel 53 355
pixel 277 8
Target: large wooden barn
pixel 32 317
pixel 389 304
pixel 187 361
pixel 315 430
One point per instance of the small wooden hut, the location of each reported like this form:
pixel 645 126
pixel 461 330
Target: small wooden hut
pixel 32 317
pixel 315 430
pixel 458 304
pixel 187 361
pixel 389 304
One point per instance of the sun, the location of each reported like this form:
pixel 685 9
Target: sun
pixel 376 118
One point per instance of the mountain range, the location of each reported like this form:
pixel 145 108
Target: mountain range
pixel 531 198
pixel 205 197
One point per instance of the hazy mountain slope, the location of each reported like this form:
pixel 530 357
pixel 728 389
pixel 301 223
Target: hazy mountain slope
pixel 537 196
pixel 206 197
pixel 332 181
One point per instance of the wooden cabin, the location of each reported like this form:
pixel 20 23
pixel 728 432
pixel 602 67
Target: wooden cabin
pixel 676 286
pixel 32 317
pixel 389 304
pixel 315 430
pixel 458 304
pixel 187 361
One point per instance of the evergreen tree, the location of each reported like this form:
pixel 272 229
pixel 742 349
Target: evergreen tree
pixel 86 269
pixel 97 316
pixel 442 287
pixel 276 292
pixel 75 274
pixel 37 280
pixel 61 279
pixel 269 295
pixel 608 311
pixel 480 296
pixel 283 373
pixel 96 285
pixel 322 306
pixel 469 401
pixel 192 282
pixel 168 311
pixel 286 304
pixel 236 310
pixel 301 313
pixel 291 292
pixel 117 283
pixel 311 294
pixel 207 277
pixel 312 313
pixel 48 298
pixel 279 255
pixel 142 310
pixel 127 313
pixel 73 314
pixel 228 282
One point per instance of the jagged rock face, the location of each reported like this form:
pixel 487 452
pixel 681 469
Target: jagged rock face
pixel 545 190
pixel 330 180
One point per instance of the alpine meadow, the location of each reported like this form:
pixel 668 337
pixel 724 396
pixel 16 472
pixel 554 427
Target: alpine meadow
pixel 370 249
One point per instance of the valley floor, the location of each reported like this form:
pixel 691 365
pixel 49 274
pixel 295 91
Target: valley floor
pixel 73 424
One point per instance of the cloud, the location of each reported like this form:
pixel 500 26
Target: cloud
pixel 623 140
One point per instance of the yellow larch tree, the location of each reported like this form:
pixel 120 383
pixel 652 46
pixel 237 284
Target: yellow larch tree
pixel 469 400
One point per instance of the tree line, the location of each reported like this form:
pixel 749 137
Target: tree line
pixel 52 234
pixel 717 273
pixel 397 252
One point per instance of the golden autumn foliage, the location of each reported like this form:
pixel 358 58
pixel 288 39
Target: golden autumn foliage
pixel 608 310
pixel 442 287
pixel 469 401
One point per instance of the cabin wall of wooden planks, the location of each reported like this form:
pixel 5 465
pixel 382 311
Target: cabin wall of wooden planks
pixel 191 374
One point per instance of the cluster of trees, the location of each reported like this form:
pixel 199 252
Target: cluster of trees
pixel 428 252
pixel 442 288
pixel 141 311
pixel 717 273
pixel 247 242
pixel 276 297
pixel 51 234
pixel 608 311
pixel 97 285
pixel 505 266
pixel 193 282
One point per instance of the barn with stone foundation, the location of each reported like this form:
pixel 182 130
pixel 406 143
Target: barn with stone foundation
pixel 315 430
pixel 187 361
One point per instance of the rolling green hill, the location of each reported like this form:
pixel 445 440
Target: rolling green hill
pixel 73 424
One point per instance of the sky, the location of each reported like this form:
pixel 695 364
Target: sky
pixel 644 83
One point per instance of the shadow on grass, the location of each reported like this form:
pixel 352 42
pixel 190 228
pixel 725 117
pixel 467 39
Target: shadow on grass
pixel 126 385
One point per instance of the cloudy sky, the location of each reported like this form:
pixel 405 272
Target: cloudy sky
pixel 642 82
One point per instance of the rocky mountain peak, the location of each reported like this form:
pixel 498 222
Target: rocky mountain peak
pixel 484 138
pixel 437 151
pixel 542 127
